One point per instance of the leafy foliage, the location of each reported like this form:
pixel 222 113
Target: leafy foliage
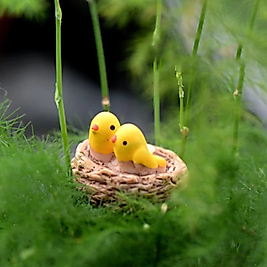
pixel 225 27
pixel 218 220
pixel 27 8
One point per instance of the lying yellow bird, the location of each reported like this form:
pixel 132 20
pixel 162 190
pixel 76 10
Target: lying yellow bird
pixel 103 126
pixel 130 145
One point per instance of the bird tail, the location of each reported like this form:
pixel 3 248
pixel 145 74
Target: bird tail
pixel 161 161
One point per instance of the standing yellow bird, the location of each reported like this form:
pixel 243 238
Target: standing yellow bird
pixel 103 126
pixel 130 145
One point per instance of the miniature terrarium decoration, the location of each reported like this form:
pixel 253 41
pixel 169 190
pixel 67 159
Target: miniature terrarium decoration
pixel 116 160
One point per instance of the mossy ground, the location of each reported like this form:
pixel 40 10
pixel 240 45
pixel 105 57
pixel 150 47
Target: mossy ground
pixel 218 220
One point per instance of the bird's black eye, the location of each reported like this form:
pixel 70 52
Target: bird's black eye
pixel 112 127
pixel 124 143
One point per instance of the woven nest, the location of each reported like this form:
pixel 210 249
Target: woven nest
pixel 106 182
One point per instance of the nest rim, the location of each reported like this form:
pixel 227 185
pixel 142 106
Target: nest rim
pixel 102 185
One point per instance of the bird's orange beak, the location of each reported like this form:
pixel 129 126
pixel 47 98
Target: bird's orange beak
pixel 95 127
pixel 113 138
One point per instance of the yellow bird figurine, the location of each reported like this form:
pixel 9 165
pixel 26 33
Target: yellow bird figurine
pixel 130 145
pixel 103 126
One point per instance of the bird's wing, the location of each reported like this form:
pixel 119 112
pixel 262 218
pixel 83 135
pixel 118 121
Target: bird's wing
pixel 144 157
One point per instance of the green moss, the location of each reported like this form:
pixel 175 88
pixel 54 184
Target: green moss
pixel 218 220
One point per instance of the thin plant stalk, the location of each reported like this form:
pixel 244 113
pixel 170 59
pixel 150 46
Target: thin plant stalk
pixel 239 90
pixel 193 56
pixel 58 91
pixel 183 129
pixel 156 33
pixel 156 100
pixel 156 68
pixel 181 97
pixel 238 95
pixel 100 55
pixel 192 77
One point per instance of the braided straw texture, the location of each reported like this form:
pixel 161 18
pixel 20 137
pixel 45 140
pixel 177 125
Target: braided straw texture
pixel 105 183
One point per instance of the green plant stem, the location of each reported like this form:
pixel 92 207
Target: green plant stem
pixel 156 100
pixel 58 91
pixel 179 78
pixel 192 77
pixel 183 129
pixel 156 33
pixel 181 111
pixel 156 67
pixel 100 55
pixel 238 96
pixel 193 56
pixel 239 90
pixel 239 52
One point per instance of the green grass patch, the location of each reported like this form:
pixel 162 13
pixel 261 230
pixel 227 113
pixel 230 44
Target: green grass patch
pixel 218 220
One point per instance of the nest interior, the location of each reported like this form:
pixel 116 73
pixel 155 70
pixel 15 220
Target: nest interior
pixel 105 182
